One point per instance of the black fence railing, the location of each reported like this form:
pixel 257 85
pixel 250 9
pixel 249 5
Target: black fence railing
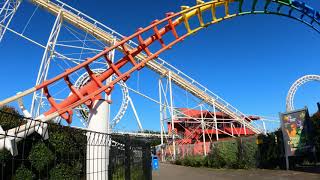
pixel 130 158
pixel 40 150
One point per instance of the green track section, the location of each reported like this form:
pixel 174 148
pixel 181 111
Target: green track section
pixel 285 1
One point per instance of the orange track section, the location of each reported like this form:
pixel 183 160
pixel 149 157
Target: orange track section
pixel 88 93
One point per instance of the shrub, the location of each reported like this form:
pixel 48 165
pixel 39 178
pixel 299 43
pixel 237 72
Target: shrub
pixel 63 171
pixel 224 154
pixel 193 161
pixel 248 150
pixel 271 150
pixel 22 173
pixel 5 155
pixel 61 141
pixel 178 161
pixel 10 120
pixel 40 156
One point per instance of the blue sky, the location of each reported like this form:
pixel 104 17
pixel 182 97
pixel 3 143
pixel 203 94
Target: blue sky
pixel 250 61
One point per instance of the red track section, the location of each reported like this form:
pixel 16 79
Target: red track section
pixel 88 93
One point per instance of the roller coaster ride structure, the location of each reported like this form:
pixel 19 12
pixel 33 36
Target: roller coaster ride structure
pixel 294 87
pixel 167 32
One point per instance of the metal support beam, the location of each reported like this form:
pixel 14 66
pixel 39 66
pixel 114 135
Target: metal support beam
pixel 264 127
pixel 172 118
pixel 135 114
pixel 203 133
pixel 215 119
pixel 161 119
pixel 7 11
pixel 244 128
pixel 48 54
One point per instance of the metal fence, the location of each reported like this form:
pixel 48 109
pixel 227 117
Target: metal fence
pixel 50 151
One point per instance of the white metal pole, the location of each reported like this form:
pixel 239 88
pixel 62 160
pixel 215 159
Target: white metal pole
pixel 232 129
pixel 203 133
pixel 172 118
pixel 264 127
pixel 135 114
pixel 215 119
pixel 161 118
pixel 244 128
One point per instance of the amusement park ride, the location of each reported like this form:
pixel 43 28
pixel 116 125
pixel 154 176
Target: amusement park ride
pixel 91 80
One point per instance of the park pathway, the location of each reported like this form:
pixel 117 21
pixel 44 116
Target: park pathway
pixel 175 172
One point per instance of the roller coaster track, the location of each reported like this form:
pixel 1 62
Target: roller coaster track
pixel 136 56
pixel 294 87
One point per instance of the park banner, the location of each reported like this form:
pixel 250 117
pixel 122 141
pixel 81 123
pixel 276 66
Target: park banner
pixel 296 132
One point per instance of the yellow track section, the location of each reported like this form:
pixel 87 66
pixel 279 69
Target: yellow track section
pixel 189 12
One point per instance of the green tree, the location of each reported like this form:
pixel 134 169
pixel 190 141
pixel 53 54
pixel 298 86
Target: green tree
pixel 40 156
pixel 63 171
pixel 248 150
pixel 22 173
pixel 9 117
pixel 315 123
pixel 224 154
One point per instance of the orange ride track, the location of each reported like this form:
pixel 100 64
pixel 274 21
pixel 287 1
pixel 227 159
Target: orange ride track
pixel 158 28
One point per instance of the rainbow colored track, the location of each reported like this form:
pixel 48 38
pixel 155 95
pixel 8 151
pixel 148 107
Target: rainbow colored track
pixel 176 25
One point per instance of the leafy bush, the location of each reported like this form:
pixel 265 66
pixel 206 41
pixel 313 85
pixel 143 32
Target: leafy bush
pixel 22 173
pixel 6 120
pixel 40 156
pixel 248 150
pixel 5 155
pixel 193 161
pixel 271 151
pixel 67 140
pixel 63 171
pixel 225 154
pixel 61 141
pixel 234 153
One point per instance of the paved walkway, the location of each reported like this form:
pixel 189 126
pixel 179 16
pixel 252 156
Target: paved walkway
pixel 175 172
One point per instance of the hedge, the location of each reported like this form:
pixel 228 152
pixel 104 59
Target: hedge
pixel 241 153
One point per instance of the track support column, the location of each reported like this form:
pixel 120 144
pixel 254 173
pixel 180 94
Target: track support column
pixel 172 118
pixel 203 133
pixel 161 119
pixel 215 119
pixel 98 141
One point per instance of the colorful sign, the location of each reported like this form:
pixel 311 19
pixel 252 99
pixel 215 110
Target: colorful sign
pixel 295 131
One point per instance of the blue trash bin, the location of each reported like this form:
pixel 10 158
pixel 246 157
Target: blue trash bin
pixel 155 163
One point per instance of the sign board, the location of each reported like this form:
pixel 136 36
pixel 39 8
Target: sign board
pixel 296 132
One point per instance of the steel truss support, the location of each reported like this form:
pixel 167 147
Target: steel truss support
pixel 203 133
pixel 215 119
pixel 172 118
pixel 162 111
pixel 166 103
pixel 48 54
pixel 7 11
